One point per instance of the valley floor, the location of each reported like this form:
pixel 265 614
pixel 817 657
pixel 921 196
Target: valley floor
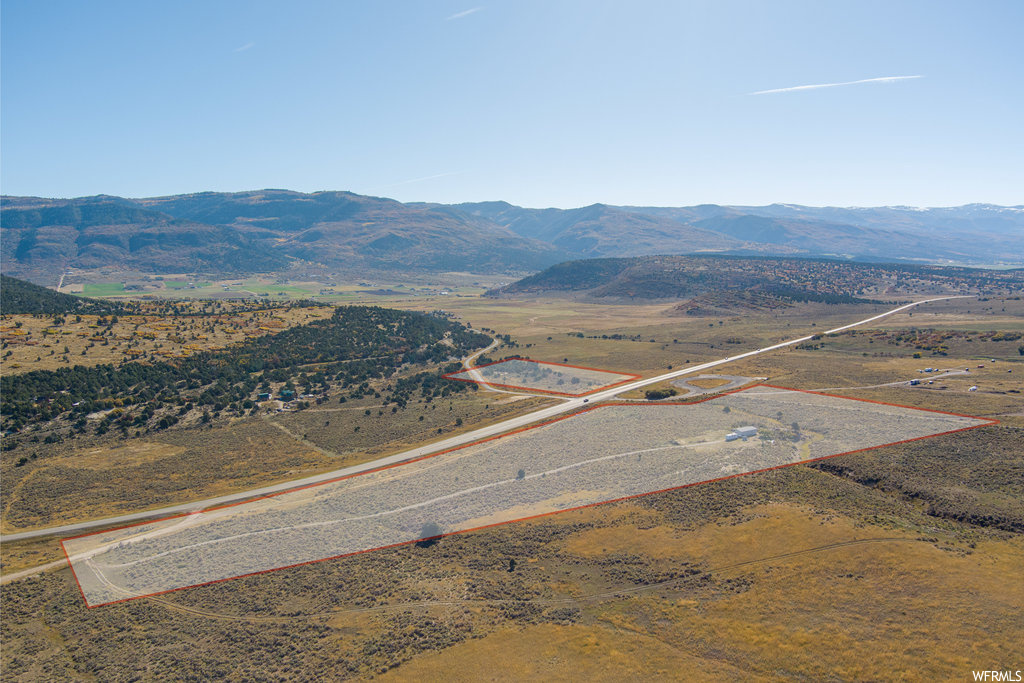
pixel 895 563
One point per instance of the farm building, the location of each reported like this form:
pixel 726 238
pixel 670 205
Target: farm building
pixel 741 433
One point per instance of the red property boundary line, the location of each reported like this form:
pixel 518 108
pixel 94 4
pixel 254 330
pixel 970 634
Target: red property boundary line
pixel 630 377
pixel 987 422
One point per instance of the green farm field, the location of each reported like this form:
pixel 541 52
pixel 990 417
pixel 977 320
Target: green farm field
pixel 102 289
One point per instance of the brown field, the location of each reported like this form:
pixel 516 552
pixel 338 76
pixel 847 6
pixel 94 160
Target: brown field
pixel 15 557
pixel 70 482
pixel 997 313
pixel 677 339
pixel 761 575
pixel 872 590
pixel 708 383
pixel 38 343
pixel 51 486
pixel 66 484
pixel 899 563
pixel 383 432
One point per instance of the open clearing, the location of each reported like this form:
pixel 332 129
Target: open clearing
pixel 603 454
pixel 544 377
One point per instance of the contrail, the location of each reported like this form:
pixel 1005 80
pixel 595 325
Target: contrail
pixel 884 79
pixel 465 13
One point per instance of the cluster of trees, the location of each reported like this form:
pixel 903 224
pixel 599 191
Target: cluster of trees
pixel 201 308
pixel 659 394
pixel 355 345
pixel 431 385
pixel 806 295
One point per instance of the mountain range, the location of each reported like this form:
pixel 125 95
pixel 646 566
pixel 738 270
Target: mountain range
pixel 280 230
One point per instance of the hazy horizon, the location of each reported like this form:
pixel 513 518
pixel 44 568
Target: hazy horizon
pixel 484 201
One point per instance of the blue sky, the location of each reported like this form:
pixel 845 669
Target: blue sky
pixel 547 103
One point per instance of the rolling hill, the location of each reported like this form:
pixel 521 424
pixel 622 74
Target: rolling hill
pixel 721 282
pixel 19 296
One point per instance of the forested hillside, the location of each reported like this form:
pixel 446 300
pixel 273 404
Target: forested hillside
pixel 782 279
pixel 602 230
pixel 19 296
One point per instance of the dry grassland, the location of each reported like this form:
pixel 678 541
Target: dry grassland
pixel 759 576
pixel 28 554
pixel 997 313
pixel 37 343
pixel 858 377
pixel 553 652
pixel 709 383
pixel 332 427
pixel 862 603
pixel 901 563
pixel 72 484
pixel 676 338
pixel 68 483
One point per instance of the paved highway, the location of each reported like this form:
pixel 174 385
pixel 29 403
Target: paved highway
pixel 548 413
